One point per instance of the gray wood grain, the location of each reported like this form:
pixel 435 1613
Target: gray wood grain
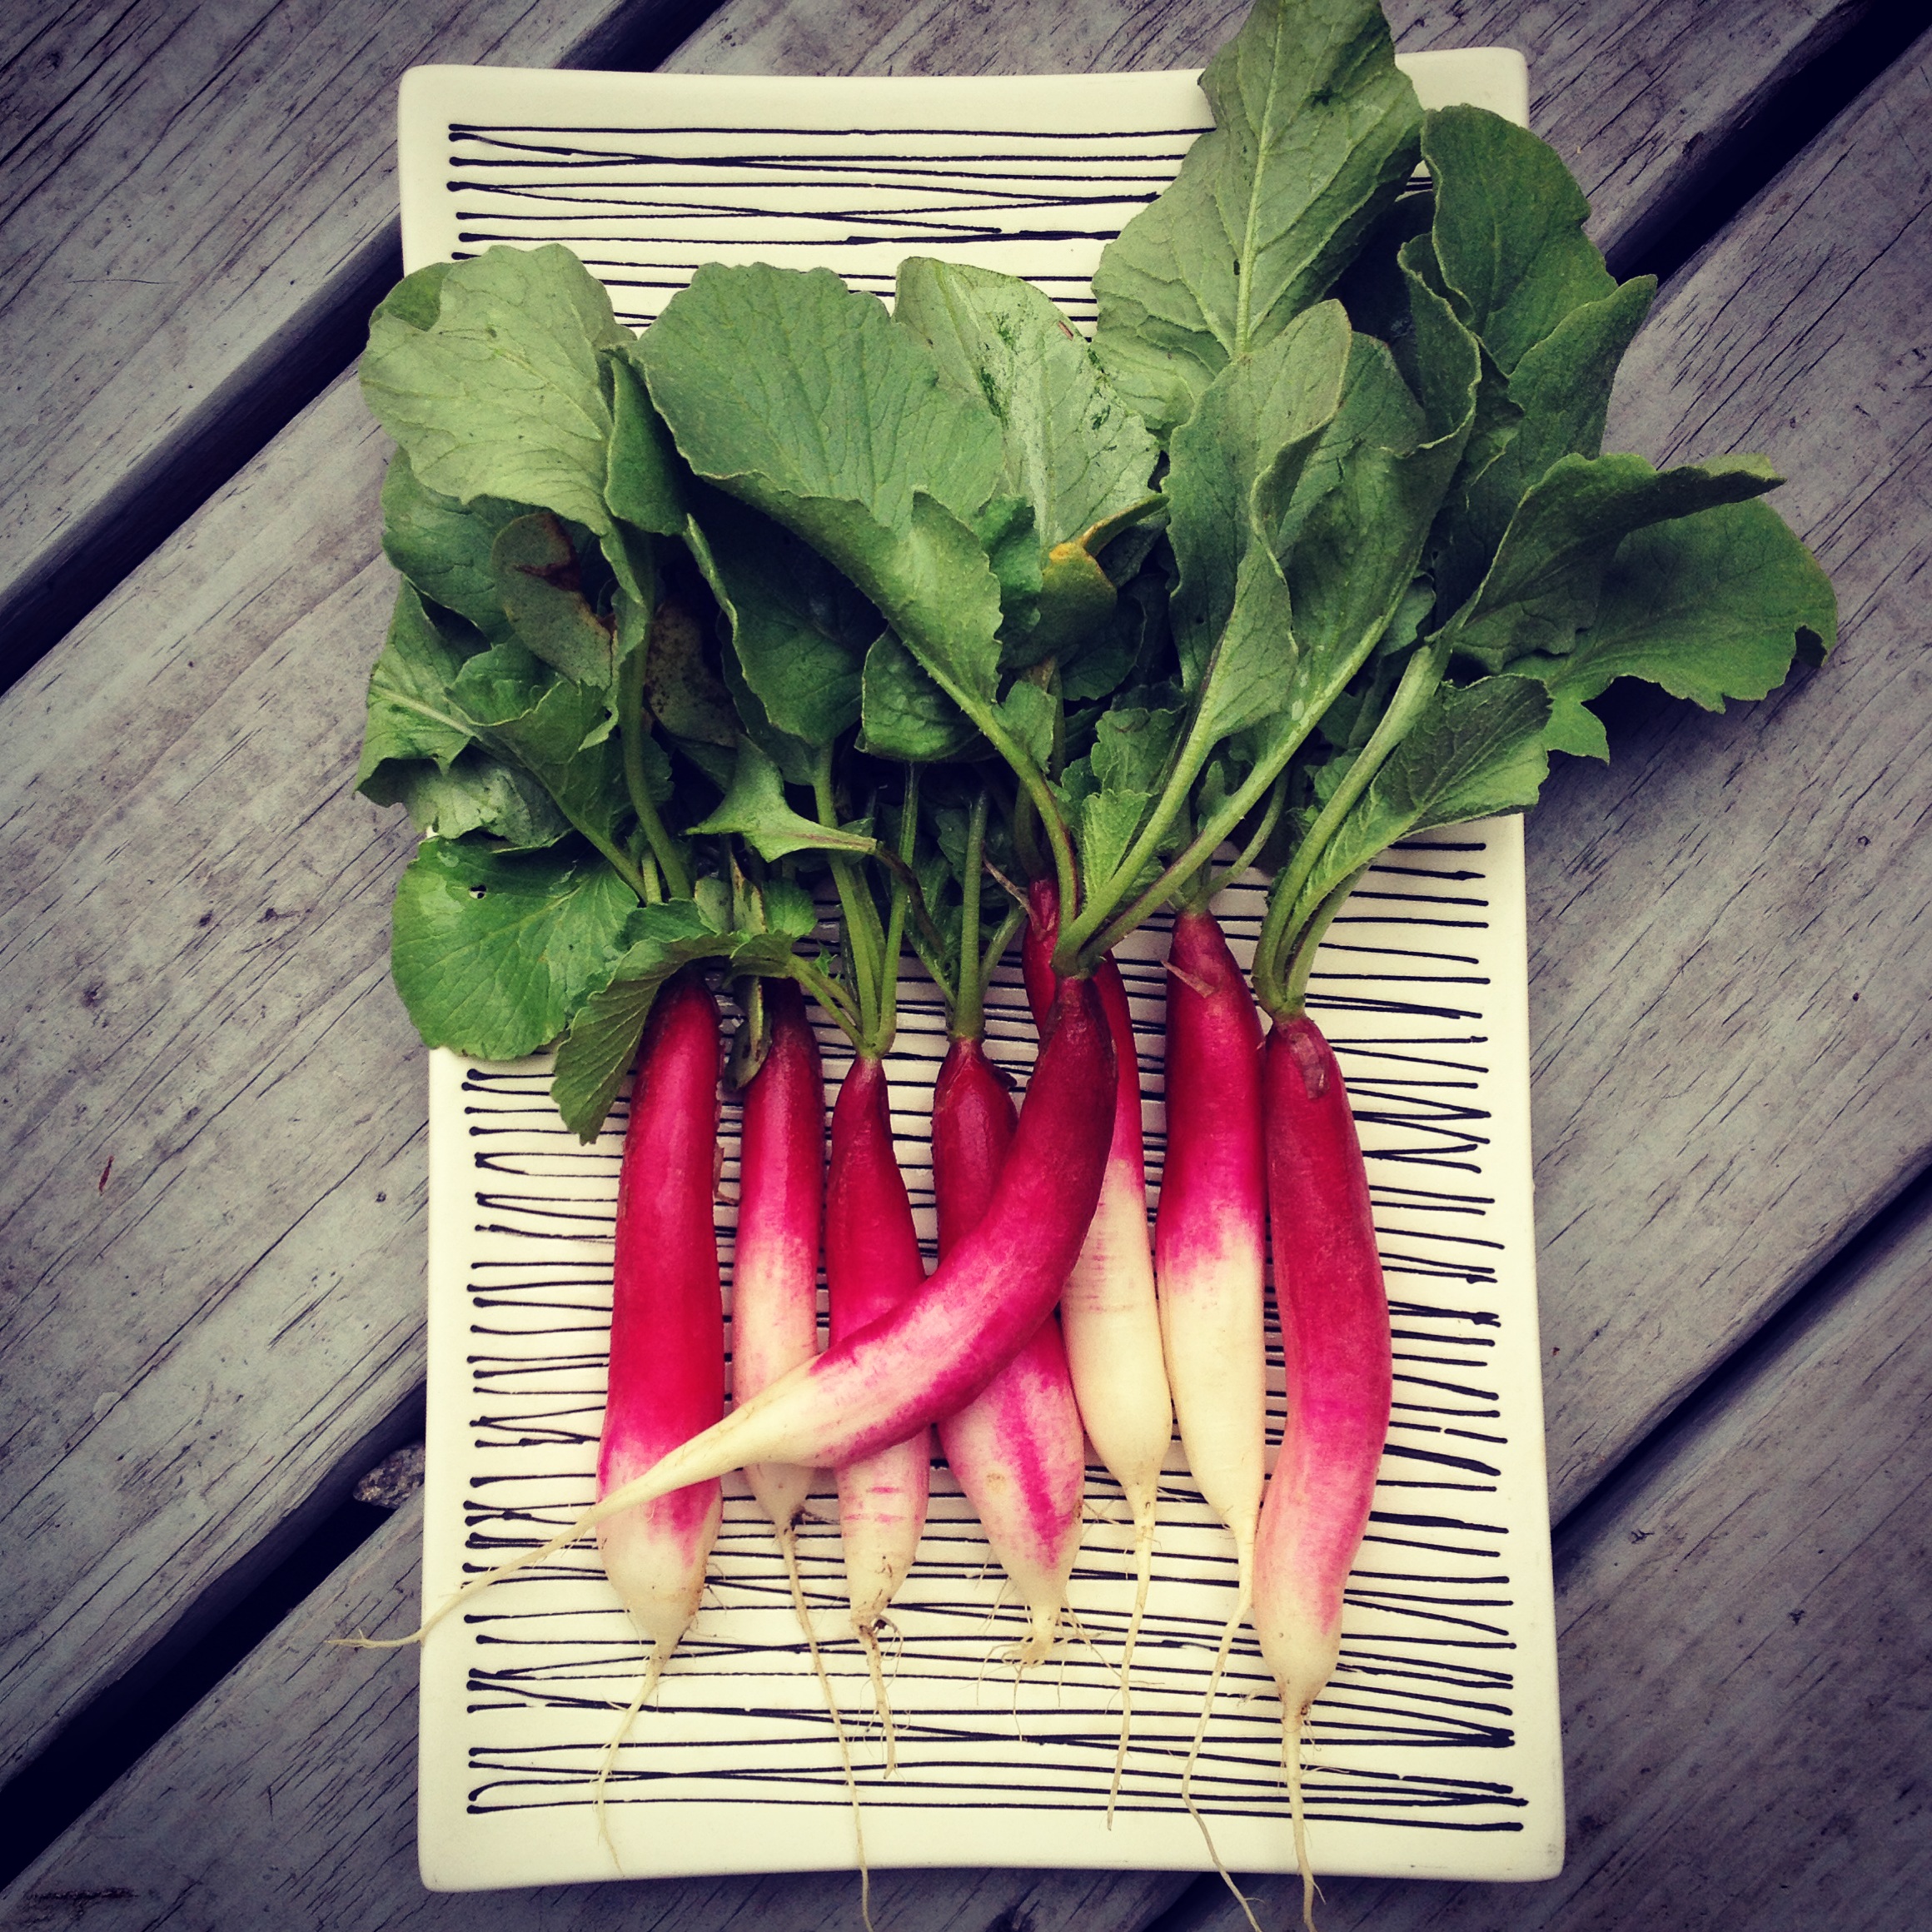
pixel 1746 1647
pixel 1637 98
pixel 198 195
pixel 305 1755
pixel 191 1340
pixel 190 192
pixel 1731 926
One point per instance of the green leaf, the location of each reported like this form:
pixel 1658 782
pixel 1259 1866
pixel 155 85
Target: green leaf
pixel 681 684
pixel 1028 715
pixel 443 546
pixel 1557 400
pixel 788 908
pixel 477 793
pixel 644 481
pixel 1072 448
pixel 410 715
pixel 800 629
pixel 755 807
pixel 1258 424
pixel 905 715
pixel 799 397
pixel 1077 601
pixel 1508 231
pixel 1544 585
pixel 1473 752
pixel 1315 132
pixel 557 731
pixel 540 585
pixel 496 390
pixel 1132 747
pixel 1712 606
pixel 493 952
pixel 1367 501
pixel 593 1057
pixel 791 387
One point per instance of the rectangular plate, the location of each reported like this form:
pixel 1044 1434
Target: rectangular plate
pixel 1435 1750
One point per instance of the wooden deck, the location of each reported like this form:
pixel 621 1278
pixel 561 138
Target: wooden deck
pixel 212 1232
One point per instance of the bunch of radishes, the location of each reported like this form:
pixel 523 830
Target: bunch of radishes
pixel 795 608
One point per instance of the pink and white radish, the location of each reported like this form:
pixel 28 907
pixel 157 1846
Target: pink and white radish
pixel 1108 1312
pixel 667 1335
pixel 775 1279
pixel 1210 1260
pixel 667 1324
pixel 1210 1255
pixel 1335 1341
pixel 873 1267
pixel 1017 1447
pixel 928 1357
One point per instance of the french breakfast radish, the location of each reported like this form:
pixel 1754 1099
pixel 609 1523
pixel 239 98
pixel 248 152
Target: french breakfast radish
pixel 1017 1447
pixel 1210 1256
pixel 1109 1313
pixel 774 1278
pixel 932 1353
pixel 873 1265
pixel 1335 1341
pixel 1210 1261
pixel 667 1324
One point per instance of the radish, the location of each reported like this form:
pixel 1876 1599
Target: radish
pixel 1017 1447
pixel 1108 1309
pixel 1210 1259
pixel 930 1356
pixel 774 1302
pixel 873 1265
pixel 1335 1341
pixel 1209 1232
pixel 667 1332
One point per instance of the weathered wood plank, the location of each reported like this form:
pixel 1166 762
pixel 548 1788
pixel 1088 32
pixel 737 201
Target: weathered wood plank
pixel 159 309
pixel 306 1756
pixel 1731 982
pixel 199 198
pixel 1747 1658
pixel 1637 98
pixel 156 766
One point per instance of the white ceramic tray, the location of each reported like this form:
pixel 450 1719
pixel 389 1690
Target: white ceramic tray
pixel 1436 1751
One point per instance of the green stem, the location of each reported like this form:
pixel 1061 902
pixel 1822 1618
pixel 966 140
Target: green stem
pixel 858 915
pixel 810 975
pixel 1285 919
pixel 630 730
pixel 1294 993
pixel 970 1006
pixel 908 822
pixel 1278 800
pixel 1002 937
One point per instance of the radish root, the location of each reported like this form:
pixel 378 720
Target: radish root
pixel 868 1636
pixel 653 1671
pixel 1291 1730
pixel 787 1547
pixel 1144 1564
pixel 1235 1621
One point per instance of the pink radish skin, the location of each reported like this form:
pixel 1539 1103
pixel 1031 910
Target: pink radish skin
pixel 667 1326
pixel 1335 1338
pixel 932 1353
pixel 1108 1312
pixel 1017 1447
pixel 774 1278
pixel 1209 1232
pixel 873 1266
